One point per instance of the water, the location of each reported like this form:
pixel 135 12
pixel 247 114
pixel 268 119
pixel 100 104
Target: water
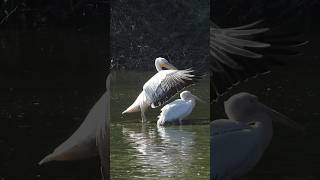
pixel 143 151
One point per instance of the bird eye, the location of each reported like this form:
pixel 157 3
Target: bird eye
pixel 163 67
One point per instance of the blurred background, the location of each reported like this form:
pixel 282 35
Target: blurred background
pixel 144 30
pixel 292 88
pixel 53 63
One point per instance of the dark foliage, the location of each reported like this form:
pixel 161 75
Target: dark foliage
pixel 37 34
pixel 143 30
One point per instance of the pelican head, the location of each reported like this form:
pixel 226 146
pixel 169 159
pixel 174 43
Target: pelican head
pixel 163 64
pixel 186 95
pixel 240 106
pixel 244 106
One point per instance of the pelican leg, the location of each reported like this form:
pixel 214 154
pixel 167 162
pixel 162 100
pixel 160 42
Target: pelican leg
pixel 143 115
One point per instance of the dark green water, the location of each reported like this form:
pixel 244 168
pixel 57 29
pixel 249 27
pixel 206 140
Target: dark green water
pixel 143 151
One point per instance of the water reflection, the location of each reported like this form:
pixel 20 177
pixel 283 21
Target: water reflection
pixel 164 149
pixel 164 152
pixel 173 152
pixel 143 151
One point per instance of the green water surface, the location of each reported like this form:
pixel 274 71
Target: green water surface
pixel 143 151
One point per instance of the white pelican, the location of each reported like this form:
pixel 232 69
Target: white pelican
pixel 239 142
pixel 161 87
pixel 90 139
pixel 178 109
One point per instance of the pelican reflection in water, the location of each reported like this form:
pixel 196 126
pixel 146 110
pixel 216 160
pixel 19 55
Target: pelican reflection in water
pixel 164 151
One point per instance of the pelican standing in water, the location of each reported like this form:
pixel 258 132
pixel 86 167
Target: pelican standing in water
pixel 178 109
pixel 161 87
pixel 90 139
pixel 239 142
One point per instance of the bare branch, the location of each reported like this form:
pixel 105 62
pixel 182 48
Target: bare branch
pixel 7 15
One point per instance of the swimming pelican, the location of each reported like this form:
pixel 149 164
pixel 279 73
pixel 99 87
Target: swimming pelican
pixel 161 87
pixel 90 139
pixel 238 142
pixel 178 109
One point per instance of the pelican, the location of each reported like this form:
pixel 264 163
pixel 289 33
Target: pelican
pixel 178 109
pixel 161 87
pixel 239 142
pixel 90 139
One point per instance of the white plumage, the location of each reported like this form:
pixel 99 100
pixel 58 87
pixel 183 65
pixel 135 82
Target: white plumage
pixel 161 87
pixel 238 143
pixel 177 110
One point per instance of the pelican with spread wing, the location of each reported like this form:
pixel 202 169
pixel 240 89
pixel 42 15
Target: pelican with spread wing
pixel 161 87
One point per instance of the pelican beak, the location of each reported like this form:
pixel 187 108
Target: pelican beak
pixel 168 66
pixel 198 99
pixel 278 117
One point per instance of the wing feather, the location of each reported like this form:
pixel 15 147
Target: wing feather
pixel 224 41
pixel 243 52
pixel 166 83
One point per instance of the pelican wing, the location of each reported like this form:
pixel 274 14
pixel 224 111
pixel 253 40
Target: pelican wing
pixel 228 48
pixel 242 52
pixel 166 83
pixel 234 149
pixel 226 41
